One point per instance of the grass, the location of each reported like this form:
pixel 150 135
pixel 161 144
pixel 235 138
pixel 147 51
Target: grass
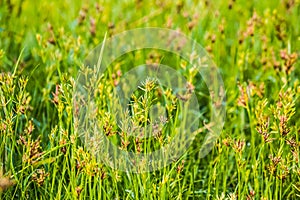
pixel 255 44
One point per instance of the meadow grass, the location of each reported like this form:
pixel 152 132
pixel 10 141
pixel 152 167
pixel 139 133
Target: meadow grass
pixel 255 44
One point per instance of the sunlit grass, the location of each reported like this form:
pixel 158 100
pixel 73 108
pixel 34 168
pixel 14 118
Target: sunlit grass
pixel 255 44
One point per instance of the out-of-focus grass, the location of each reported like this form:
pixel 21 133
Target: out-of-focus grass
pixel 254 43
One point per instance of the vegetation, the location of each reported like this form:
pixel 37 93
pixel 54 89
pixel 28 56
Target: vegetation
pixel 255 44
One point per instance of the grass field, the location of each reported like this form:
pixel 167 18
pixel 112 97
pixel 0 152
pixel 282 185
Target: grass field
pixel 43 47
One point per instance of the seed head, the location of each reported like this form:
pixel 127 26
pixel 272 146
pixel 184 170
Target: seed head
pixel 5 183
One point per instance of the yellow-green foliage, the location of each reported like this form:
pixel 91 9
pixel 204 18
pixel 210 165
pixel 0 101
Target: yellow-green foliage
pixel 254 43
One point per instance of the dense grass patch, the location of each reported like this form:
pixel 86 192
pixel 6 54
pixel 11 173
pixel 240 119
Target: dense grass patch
pixel 255 44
